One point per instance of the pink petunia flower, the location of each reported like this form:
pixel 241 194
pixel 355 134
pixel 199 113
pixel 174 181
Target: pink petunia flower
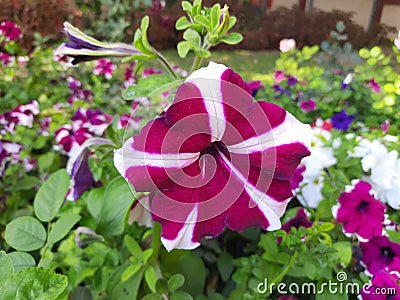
pixel 104 67
pixel 10 30
pixel 22 114
pixel 385 126
pixel 7 59
pixel 286 45
pixel 307 105
pixel 217 158
pixel 375 86
pixel 360 212
pixel 279 76
pixel 384 285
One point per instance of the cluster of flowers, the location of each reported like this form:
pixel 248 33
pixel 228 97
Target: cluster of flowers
pixel 77 92
pixel 10 154
pixel 9 32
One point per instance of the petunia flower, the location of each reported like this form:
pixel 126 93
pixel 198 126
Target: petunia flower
pixel 307 105
pixel 254 87
pixel 82 47
pixel 342 120
pixel 140 213
pixel 300 219
pixel 375 86
pixel 279 76
pixel 360 212
pixel 6 59
pixel 22 115
pixel 384 285
pixel 379 253
pixel 79 170
pixel 10 30
pixel 297 177
pixel 217 159
pixel 286 45
pixel 104 67
pixel 291 80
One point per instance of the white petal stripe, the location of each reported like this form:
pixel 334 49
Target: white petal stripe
pixel 209 84
pixel 271 209
pixel 289 131
pixel 126 157
pixel 184 238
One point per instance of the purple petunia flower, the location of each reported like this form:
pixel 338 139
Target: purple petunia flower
pixel 301 219
pixel 307 105
pixel 360 212
pixel 342 120
pixel 217 158
pixel 10 30
pixel 254 87
pixel 281 90
pixel 375 86
pixel 291 80
pixel 384 285
pixel 379 253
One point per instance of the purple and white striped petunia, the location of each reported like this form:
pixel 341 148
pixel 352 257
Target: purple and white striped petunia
pixel 82 47
pixel 218 159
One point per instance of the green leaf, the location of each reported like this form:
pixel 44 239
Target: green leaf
pixel 61 228
pixel 204 21
pixel 6 267
pixel 51 195
pixel 21 260
pixel 192 36
pixel 34 283
pixel 375 51
pixel 25 234
pixel 133 247
pixel 162 285
pixel 184 48
pixel 151 85
pixel 215 11
pixel 232 39
pixel 344 252
pixel 175 282
pixel 131 270
pixel 327 226
pixel 117 201
pixel 94 200
pixel 181 296
pixel 232 22
pixel 182 23
pixel 152 296
pixel 202 53
pixel 187 7
pixel 118 289
pixel 151 277
pixel 364 53
pixel 26 183
pixel 225 265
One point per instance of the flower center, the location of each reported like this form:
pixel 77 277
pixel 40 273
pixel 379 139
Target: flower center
pixel 363 206
pixel 387 252
pixel 213 148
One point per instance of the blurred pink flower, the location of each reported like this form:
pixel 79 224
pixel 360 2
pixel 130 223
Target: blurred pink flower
pixel 307 105
pixel 104 67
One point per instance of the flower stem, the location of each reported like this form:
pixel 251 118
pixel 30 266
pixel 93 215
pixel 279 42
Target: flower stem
pixel 155 243
pixel 282 274
pixel 165 64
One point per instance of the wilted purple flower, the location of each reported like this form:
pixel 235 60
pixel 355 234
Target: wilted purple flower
pixel 307 105
pixel 375 86
pixel 79 170
pixel 342 120
pixel 360 212
pixel 84 48
pixel 104 67
pixel 379 253
pixel 10 30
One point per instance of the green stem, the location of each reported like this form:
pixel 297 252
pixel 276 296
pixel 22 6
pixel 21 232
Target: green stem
pixel 196 64
pixel 165 64
pixel 155 243
pixel 282 274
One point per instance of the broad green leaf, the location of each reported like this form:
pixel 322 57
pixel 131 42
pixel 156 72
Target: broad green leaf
pixel 232 22
pixel 225 265
pixel 147 86
pixel 203 20
pixel 162 285
pixel 182 23
pixel 232 39
pixel 21 260
pixel 192 36
pixel 202 53
pixel 327 226
pixel 93 201
pixel 51 195
pixel 118 289
pixel 61 228
pixel 117 201
pixel 187 7
pixel 34 283
pixel 364 53
pixel 344 252
pixel 375 51
pixel 26 183
pixel 215 12
pixel 183 48
pixel 151 277
pixel 133 247
pixel 181 296
pixel 175 282
pixel 25 234
pixel 131 270
pixel 6 267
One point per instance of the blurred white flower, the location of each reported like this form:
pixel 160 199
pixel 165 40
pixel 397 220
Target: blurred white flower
pixel 286 45
pixel 397 41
